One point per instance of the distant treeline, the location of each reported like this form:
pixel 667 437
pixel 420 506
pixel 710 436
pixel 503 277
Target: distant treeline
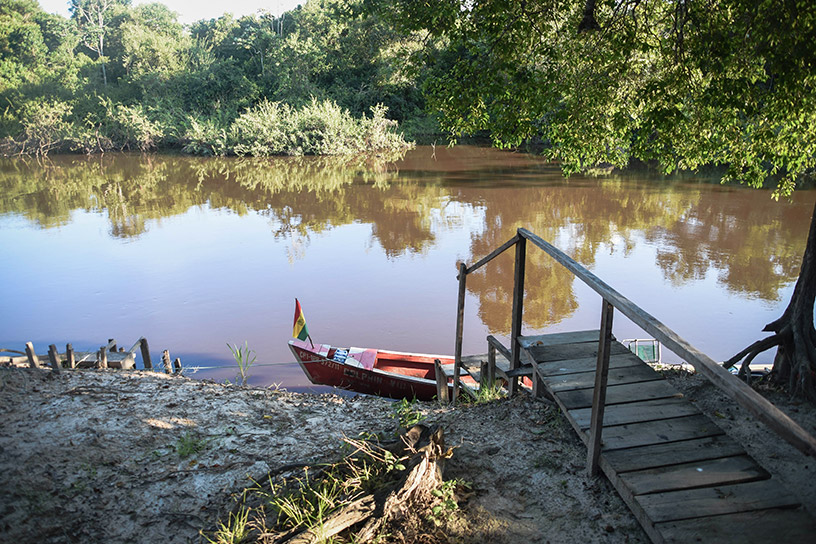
pixel 324 78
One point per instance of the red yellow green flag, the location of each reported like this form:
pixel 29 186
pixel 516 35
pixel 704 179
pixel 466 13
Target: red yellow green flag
pixel 300 331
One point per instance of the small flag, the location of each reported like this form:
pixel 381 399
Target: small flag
pixel 300 331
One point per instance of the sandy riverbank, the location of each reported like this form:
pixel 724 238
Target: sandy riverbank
pixel 105 456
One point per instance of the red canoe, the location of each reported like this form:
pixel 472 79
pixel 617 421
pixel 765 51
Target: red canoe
pixel 372 371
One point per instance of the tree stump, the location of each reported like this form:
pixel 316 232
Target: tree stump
pixel 422 475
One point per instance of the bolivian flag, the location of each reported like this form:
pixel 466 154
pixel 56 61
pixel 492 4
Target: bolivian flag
pixel 300 331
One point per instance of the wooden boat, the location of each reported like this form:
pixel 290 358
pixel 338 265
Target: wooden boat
pixel 372 371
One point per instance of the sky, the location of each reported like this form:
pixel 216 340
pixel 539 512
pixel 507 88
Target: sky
pixel 194 10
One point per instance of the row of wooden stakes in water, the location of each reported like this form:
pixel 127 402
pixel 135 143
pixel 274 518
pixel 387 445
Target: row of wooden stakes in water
pixel 108 356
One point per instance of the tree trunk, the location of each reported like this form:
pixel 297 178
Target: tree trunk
pixel 794 334
pixel 795 362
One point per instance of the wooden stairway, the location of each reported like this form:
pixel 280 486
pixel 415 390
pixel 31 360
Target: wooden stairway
pixel 681 475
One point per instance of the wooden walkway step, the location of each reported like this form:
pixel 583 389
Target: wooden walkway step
pixel 681 475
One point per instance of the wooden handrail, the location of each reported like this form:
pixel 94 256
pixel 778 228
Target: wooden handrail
pixel 501 249
pixel 749 399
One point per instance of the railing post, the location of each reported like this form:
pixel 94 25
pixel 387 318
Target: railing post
pixel 460 325
pixel 599 394
pixel 441 383
pixel 489 373
pixel 518 304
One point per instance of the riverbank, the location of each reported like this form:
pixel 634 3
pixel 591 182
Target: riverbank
pixel 113 456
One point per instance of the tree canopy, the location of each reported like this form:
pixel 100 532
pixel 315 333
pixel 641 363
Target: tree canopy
pixel 683 83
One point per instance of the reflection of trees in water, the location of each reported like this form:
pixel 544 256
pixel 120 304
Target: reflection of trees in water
pixel 579 218
pixel 754 245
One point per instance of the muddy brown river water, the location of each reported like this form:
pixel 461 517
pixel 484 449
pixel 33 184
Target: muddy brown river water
pixel 195 253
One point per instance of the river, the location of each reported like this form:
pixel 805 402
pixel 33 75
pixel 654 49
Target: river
pixel 195 253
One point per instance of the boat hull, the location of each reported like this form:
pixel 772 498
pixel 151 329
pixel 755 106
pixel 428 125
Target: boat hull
pixel 373 372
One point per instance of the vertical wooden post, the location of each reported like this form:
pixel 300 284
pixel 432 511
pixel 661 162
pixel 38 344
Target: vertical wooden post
pixel 460 325
pixel 441 383
pixel 177 366
pixel 103 357
pixel 518 305
pixel 53 356
pixel 491 365
pixel 33 360
pixel 166 361
pixel 599 394
pixel 69 356
pixel 112 345
pixel 148 364
pixel 538 385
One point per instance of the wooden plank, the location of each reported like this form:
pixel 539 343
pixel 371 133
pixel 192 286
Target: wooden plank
pixel 713 501
pixel 69 356
pixel 516 372
pixel 616 394
pixel 618 376
pixel 488 370
pixel 586 364
pixel 749 399
pixel 636 412
pixel 791 526
pixel 726 470
pixel 145 349
pixel 564 352
pixel 503 351
pixel 558 338
pixel 33 360
pixel 460 324
pixel 54 358
pixel 501 249
pixel 518 308
pixel 441 382
pixel 600 378
pixel 656 432
pixel 686 451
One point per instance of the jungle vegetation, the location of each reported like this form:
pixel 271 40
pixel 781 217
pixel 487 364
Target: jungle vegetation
pixel 321 79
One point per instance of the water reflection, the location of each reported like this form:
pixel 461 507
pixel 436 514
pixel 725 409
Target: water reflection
pixel 751 244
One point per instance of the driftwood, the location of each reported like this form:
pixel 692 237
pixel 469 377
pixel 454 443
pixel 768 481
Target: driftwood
pixel 422 475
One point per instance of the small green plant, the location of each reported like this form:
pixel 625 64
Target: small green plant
pixel 189 444
pixel 487 393
pixel 446 493
pixel 244 358
pixel 234 531
pixel 406 414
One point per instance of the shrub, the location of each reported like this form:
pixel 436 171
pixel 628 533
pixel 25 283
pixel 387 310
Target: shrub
pixel 205 136
pixel 318 128
pixel 264 130
pixel 45 125
pixel 130 127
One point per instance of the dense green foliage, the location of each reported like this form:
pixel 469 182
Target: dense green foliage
pixel 684 83
pixel 321 79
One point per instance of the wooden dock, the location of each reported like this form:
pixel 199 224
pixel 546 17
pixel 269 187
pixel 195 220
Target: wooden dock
pixel 683 478
pixel 681 475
